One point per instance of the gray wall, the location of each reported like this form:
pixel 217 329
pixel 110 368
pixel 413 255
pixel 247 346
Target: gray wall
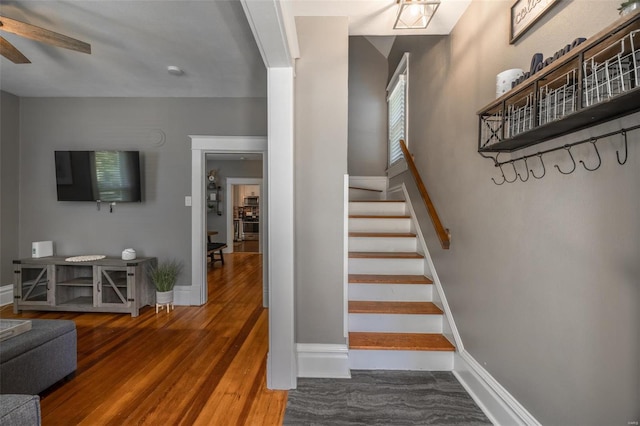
pixel 229 169
pixel 321 110
pixel 367 109
pixel 9 154
pixel 543 276
pixel 159 127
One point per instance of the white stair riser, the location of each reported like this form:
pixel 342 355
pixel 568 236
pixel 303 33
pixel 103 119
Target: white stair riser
pixel 383 244
pixel 360 194
pixel 378 208
pixel 400 360
pixel 387 266
pixel 395 323
pixel 380 225
pixel 391 292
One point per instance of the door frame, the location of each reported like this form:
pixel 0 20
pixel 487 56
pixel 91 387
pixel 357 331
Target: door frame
pixel 200 146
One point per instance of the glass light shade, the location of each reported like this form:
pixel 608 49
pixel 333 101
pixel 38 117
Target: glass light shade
pixel 415 14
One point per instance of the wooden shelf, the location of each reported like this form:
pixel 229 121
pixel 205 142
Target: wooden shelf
pixel 597 81
pixel 77 282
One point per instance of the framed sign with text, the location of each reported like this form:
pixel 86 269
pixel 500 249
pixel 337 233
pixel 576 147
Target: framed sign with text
pixel 525 13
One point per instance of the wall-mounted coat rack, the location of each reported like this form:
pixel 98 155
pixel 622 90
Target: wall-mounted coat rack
pixel 622 156
pixel 593 83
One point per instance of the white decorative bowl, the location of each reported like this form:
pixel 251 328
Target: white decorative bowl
pixel 128 254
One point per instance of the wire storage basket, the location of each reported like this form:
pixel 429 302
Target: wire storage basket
pixel 581 86
pixel 612 70
pixel 519 117
pixel 557 95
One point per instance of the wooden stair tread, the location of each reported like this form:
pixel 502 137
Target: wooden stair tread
pixel 365 189
pixel 384 255
pixel 407 308
pixel 382 234
pixel 377 216
pixel 400 341
pixel 388 279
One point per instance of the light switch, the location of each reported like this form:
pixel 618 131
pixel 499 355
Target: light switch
pixel 187 201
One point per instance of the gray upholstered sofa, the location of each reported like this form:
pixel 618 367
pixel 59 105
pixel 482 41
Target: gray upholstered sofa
pixel 33 361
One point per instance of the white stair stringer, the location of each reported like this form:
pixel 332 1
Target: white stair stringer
pixel 366 237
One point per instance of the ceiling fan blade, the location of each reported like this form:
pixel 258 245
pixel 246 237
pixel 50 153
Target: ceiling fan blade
pixel 43 35
pixel 9 51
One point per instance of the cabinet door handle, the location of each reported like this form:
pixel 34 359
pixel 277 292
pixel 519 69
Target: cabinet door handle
pixel 99 286
pixel 48 285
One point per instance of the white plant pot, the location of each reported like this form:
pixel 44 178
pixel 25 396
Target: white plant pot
pixel 164 297
pixel 629 9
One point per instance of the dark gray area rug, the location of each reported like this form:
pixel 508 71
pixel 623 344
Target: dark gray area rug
pixel 383 398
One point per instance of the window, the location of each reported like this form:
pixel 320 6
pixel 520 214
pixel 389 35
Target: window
pixel 397 110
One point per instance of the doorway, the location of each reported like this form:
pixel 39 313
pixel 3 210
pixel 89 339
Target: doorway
pixel 245 225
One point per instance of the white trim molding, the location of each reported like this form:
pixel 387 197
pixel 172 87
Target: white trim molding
pixel 200 145
pixel 496 402
pixel 323 360
pixel 396 168
pixel 6 295
pixel 182 296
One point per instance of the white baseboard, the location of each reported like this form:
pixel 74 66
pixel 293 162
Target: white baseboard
pixel 496 402
pixel 322 360
pixel 182 295
pixel 6 295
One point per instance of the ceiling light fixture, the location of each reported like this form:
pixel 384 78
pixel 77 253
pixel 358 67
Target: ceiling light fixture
pixel 174 70
pixel 415 14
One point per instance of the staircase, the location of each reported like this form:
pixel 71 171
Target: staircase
pixel 393 322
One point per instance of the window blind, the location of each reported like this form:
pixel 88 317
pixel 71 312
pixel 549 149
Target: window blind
pixel 397 119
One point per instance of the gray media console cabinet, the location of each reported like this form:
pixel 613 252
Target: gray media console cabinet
pixel 105 285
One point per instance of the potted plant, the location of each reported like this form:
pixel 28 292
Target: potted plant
pixel 164 277
pixel 629 6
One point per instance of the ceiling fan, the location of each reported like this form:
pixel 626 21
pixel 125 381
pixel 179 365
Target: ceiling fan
pixel 32 32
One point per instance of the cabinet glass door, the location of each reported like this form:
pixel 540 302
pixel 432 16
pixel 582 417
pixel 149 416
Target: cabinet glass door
pixel 112 287
pixel 34 284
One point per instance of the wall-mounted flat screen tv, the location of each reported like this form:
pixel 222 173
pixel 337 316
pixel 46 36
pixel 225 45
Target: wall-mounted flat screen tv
pixel 105 176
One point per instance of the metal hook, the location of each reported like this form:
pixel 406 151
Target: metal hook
pixel 593 141
pixel 544 169
pixel 504 178
pixel 526 167
pixel 514 171
pixel 568 148
pixel 626 149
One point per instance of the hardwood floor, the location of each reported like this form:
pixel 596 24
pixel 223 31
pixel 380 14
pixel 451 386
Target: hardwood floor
pixel 249 246
pixel 196 365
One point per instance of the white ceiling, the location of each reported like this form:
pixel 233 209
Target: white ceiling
pixel 133 42
pixel 376 17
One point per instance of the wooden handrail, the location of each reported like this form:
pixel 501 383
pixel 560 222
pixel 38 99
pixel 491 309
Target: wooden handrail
pixel 443 234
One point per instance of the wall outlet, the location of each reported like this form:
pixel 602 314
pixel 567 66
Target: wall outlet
pixel 187 201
